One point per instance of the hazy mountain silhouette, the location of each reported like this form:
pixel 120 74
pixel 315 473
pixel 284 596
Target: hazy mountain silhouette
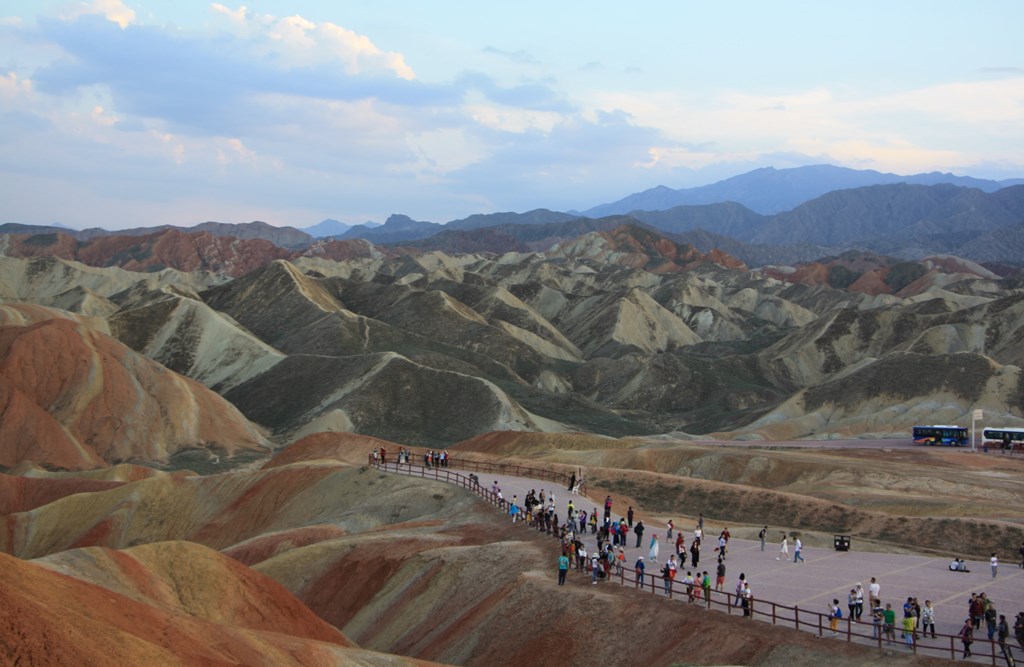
pixel 769 190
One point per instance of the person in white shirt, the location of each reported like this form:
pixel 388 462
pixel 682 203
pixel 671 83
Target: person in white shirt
pixel 783 548
pixel 995 565
pixel 874 590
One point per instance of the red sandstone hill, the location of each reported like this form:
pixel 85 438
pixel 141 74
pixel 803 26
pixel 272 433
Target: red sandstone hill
pixel 176 249
pixel 160 604
pixel 351 448
pixel 197 251
pixel 627 245
pixel 640 248
pixel 868 273
pixel 399 564
pixel 21 494
pixel 71 397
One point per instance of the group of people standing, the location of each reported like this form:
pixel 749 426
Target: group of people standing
pixel 918 620
pixel 681 550
pixel 981 609
pixel 431 458
pixel 610 556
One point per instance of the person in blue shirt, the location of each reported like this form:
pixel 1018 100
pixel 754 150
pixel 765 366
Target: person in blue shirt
pixel 563 568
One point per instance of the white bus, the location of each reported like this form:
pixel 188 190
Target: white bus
pixel 1006 438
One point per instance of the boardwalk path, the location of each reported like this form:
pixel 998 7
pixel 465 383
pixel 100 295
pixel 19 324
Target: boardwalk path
pixel 825 575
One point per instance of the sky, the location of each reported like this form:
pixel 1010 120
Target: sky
pixel 128 113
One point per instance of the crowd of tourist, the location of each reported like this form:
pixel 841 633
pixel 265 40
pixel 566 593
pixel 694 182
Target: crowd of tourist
pixel 608 557
pixel 915 621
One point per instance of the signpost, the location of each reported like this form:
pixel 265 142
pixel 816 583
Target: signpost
pixel 976 416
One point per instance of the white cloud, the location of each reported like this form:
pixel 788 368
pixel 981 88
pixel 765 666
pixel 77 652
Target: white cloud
pixel 934 127
pixel 114 11
pixel 511 119
pixel 263 110
pixel 974 102
pixel 11 85
pixel 446 150
pixel 299 42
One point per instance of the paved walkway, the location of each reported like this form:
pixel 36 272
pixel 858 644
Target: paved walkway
pixel 825 575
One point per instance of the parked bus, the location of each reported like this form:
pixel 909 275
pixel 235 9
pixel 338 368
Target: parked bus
pixel 1007 438
pixel 954 436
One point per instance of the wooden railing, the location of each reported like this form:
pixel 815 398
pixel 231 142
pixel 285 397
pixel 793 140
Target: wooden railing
pixel 850 630
pixel 515 470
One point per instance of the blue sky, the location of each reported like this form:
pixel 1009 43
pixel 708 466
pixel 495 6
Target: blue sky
pixel 124 113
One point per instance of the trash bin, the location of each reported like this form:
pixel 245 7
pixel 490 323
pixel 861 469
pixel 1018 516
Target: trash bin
pixel 842 542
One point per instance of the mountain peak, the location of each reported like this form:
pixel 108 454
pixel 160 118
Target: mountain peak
pixel 768 190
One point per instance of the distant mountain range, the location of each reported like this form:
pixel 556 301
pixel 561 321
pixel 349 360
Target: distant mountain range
pixel 901 220
pixel 334 228
pixel 396 229
pixel 771 190
pixel 971 218
pixel 285 237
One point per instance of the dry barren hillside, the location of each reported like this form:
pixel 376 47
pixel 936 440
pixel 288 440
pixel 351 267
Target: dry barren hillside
pixel 399 565
pixel 160 604
pixel 619 332
pixel 922 500
pixel 189 449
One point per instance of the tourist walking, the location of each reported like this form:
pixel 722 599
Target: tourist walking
pixel 764 533
pixel 652 554
pixel 995 564
pixel 967 637
pixel 783 549
pixel 639 530
pixel 563 567
pixel 798 547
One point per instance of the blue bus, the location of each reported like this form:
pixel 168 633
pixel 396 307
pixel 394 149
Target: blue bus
pixel 953 436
